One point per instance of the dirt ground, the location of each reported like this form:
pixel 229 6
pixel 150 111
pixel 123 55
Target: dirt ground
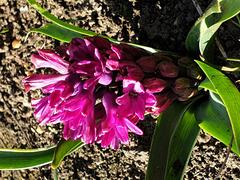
pixel 160 24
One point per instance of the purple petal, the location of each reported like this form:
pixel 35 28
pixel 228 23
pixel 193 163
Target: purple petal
pixel 112 64
pixel 81 49
pixel 49 59
pixel 107 139
pixel 132 86
pixel 132 127
pixel 150 100
pixel 85 67
pixel 122 134
pixel 38 81
pixel 54 99
pixel 117 51
pixel 138 106
pixel 105 79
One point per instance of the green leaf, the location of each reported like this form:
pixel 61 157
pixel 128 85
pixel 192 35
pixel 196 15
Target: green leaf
pixel 63 149
pixel 13 159
pixel 202 33
pixel 55 20
pixel 182 144
pixel 207 85
pixel 230 96
pixel 63 24
pixel 65 35
pixel 57 32
pixel 170 124
pixel 213 119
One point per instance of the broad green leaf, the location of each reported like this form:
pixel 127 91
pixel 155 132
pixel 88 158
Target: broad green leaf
pixel 207 85
pixel 163 139
pixel 230 96
pixel 213 119
pixel 216 98
pixel 201 34
pixel 182 143
pixel 63 149
pixel 13 159
pixel 63 24
pixel 57 32
pixel 65 35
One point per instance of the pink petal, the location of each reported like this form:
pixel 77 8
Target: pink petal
pixel 86 67
pixel 112 64
pixel 49 59
pixel 107 138
pixel 138 106
pixel 150 99
pixel 132 127
pixel 122 134
pixel 38 81
pixel 132 86
pixel 105 79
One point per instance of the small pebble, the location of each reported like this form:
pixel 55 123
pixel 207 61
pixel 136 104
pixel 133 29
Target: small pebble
pixel 16 43
pixel 23 9
pixel 39 130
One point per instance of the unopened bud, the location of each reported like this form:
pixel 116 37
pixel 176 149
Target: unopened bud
pixel 154 85
pixel 187 94
pixel 161 57
pixel 168 69
pixel 195 73
pixel 163 102
pixel 184 88
pixel 185 62
pixel 147 63
pixel 132 52
pixel 191 67
pixel 181 84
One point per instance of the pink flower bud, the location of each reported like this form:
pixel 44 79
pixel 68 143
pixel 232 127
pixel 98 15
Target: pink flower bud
pixel 161 57
pixel 147 63
pixel 168 69
pixel 187 94
pixel 192 68
pixel 184 88
pixel 180 85
pixel 154 85
pixel 163 102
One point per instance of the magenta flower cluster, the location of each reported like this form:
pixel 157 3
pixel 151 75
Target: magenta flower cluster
pixel 98 90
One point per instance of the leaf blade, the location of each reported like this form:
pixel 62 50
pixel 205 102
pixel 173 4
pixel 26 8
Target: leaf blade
pixel 200 37
pixel 182 144
pixel 63 149
pixel 57 32
pixel 229 94
pixel 162 139
pixel 14 159
pixel 213 119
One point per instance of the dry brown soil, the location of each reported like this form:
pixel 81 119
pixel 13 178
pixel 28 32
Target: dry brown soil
pixel 161 24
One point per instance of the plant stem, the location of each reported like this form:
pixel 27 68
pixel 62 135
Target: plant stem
pixel 225 161
pixel 55 174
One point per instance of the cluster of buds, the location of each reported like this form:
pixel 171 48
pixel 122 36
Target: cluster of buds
pixel 100 90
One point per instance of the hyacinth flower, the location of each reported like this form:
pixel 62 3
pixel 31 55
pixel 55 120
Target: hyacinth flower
pixel 99 91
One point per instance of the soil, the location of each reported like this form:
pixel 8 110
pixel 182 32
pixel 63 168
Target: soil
pixel 160 24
